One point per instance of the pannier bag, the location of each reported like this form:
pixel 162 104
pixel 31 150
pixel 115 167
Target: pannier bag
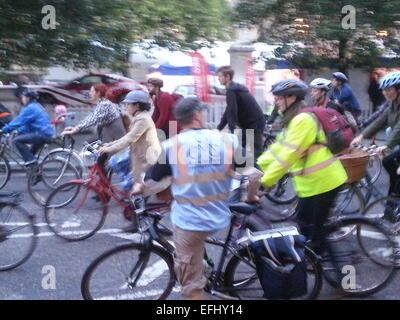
pixel 281 266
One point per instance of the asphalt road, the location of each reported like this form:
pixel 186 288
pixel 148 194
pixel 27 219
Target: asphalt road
pixel 55 269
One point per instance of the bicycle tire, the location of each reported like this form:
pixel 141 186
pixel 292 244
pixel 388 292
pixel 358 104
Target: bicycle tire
pixel 16 223
pixel 89 206
pixel 5 171
pixel 352 203
pixel 361 250
pixel 375 174
pixel 314 270
pixel 165 263
pixel 279 194
pixel 50 178
pixel 62 153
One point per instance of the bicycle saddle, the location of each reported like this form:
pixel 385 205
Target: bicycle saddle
pixel 243 208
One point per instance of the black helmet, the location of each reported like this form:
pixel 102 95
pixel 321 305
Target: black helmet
pixel 340 76
pixel 290 88
pixel 31 94
pixel 156 82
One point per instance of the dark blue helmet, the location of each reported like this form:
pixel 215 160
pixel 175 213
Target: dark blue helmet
pixel 31 94
pixel 340 76
pixel 290 88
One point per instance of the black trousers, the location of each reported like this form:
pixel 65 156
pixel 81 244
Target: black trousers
pixel 391 163
pixel 258 131
pixel 312 213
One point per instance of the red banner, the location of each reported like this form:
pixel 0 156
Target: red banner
pixel 250 75
pixel 200 71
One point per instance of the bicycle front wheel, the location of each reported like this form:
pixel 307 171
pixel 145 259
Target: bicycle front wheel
pixel 50 174
pixel 283 192
pixel 241 278
pixel 374 168
pixel 75 211
pixel 363 263
pixel 129 272
pixel 17 236
pixel 5 171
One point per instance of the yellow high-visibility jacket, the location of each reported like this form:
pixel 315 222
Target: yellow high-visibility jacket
pixel 299 149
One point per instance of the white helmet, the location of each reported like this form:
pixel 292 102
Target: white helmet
pixel 321 83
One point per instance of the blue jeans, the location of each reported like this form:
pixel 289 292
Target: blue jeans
pixel 34 139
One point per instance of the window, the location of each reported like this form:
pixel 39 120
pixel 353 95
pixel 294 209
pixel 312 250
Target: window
pixel 90 80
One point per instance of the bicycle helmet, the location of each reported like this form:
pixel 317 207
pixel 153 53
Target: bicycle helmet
pixel 290 88
pixel 156 82
pixel 321 83
pixel 31 94
pixel 389 80
pixel 340 76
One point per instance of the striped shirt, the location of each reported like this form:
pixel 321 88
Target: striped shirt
pixel 104 113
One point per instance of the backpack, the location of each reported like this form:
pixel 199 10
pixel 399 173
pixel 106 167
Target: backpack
pixel 281 266
pixel 338 131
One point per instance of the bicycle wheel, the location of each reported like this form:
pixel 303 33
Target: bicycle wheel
pixel 5 171
pixel 129 272
pixel 50 174
pixel 17 236
pixel 283 192
pixel 72 157
pixel 374 168
pixel 80 216
pixel 241 278
pixel 363 263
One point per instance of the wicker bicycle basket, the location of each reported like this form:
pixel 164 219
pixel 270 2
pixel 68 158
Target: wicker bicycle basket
pixel 355 163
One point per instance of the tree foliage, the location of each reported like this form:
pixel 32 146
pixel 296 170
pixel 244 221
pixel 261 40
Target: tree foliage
pixel 323 41
pixel 101 32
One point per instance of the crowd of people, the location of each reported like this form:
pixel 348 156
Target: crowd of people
pixel 202 162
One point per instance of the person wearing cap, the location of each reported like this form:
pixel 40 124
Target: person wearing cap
pixel 142 138
pixel 200 162
pixel 343 94
pixel 106 116
pixel 316 174
pixel 33 126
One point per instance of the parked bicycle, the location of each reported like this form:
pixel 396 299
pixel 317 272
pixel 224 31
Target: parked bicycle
pixel 18 232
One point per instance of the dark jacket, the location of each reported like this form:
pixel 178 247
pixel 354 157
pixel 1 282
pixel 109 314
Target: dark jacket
pixel 389 118
pixel 242 109
pixel 345 96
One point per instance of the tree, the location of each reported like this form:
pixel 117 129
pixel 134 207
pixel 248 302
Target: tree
pixel 313 32
pixel 101 32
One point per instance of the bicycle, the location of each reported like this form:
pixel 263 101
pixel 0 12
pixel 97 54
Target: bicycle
pixel 42 171
pixel 153 257
pixel 77 209
pixel 239 278
pixel 18 232
pixel 57 167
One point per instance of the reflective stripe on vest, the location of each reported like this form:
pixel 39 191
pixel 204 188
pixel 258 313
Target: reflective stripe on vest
pixel 284 163
pixel 313 168
pixel 185 178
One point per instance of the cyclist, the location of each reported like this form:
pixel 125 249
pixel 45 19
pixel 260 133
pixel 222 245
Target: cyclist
pixel 106 116
pixel 319 95
pixel 33 127
pixel 200 162
pixel 317 174
pixel 343 94
pixel 142 138
pixel 390 84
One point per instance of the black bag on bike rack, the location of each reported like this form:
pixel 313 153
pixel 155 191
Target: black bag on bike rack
pixel 281 266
